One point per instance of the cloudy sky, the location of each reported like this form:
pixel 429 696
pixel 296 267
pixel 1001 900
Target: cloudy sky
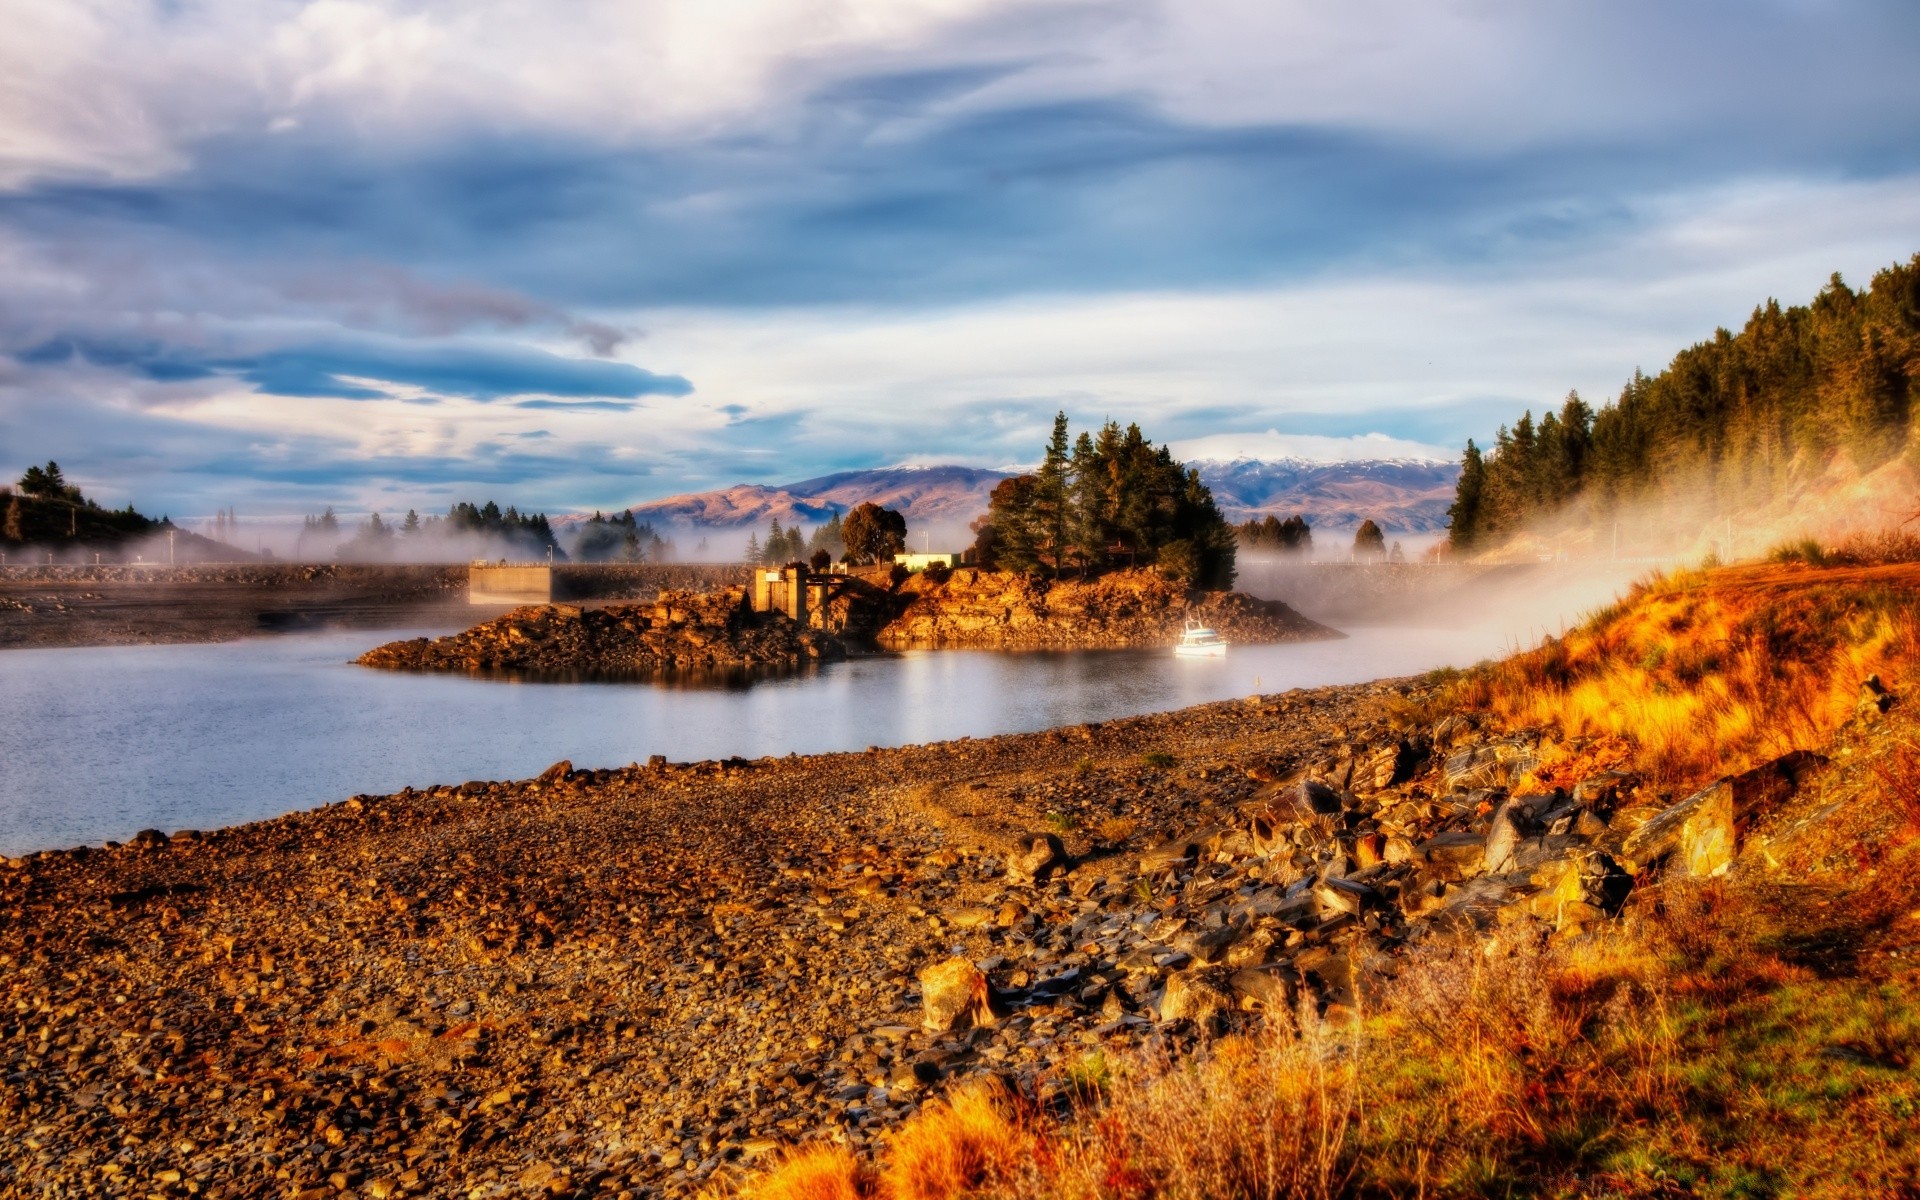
pixel 279 255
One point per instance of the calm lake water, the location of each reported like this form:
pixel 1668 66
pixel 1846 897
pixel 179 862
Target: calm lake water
pixel 96 744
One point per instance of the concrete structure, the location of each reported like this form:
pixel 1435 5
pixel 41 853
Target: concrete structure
pixel 920 562
pixel 781 589
pixel 499 583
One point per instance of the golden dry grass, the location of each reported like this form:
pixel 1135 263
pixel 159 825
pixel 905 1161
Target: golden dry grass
pixel 1737 1038
pixel 1709 1044
pixel 1707 673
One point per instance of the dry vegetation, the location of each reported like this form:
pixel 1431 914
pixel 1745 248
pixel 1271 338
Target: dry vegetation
pixel 1753 1035
pixel 1723 1039
pixel 1704 673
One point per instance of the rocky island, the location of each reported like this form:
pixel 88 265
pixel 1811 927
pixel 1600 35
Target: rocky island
pixel 1007 611
pixel 718 630
pixel 680 631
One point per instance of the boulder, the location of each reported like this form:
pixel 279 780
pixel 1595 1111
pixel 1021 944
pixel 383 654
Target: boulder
pixel 1261 991
pixel 1451 856
pixel 956 995
pixel 1193 996
pixel 1706 828
pixel 1335 895
pixel 1504 837
pixel 1037 858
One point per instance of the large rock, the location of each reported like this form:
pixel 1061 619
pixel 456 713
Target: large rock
pixel 1492 764
pixel 1193 996
pixel 1705 830
pixel 1261 990
pixel 956 995
pixel 1037 858
pixel 1461 854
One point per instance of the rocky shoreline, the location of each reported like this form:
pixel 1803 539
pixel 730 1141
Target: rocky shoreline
pixel 621 982
pixel 679 632
pixel 995 610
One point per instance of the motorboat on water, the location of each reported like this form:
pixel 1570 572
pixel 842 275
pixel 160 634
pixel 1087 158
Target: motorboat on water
pixel 1198 641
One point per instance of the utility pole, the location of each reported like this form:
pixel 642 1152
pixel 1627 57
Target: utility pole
pixel 170 547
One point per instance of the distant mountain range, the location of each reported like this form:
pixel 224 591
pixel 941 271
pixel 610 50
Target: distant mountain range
pixel 1403 496
pixel 946 495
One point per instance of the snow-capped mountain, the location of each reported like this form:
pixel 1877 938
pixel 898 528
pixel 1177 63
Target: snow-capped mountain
pixel 1401 495
pixel 939 495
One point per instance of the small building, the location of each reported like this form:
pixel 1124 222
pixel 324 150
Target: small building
pixel 920 562
pixel 500 583
pixel 782 590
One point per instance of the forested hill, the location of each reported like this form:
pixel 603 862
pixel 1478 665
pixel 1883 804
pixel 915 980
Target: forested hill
pixel 1800 402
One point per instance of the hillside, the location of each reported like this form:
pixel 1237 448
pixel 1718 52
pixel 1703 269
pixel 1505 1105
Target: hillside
pixel 924 495
pixel 1402 496
pixel 76 531
pixel 1799 423
pixel 1622 970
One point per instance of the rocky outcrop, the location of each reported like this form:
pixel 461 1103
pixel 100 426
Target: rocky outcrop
pixel 681 631
pixel 1004 611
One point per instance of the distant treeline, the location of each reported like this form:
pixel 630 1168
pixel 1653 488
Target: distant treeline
pixel 1106 499
pixel 46 510
pixel 868 534
pixel 508 530
pixel 1746 417
pixel 1271 535
pixel 794 544
pixel 620 538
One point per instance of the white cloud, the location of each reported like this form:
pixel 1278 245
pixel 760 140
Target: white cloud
pixel 1269 445
pixel 119 90
pixel 100 89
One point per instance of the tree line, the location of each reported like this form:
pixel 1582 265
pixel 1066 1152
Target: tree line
pixel 528 534
pixel 44 508
pixel 868 534
pixel 1104 499
pixel 1747 416
pixel 620 538
pixel 1271 535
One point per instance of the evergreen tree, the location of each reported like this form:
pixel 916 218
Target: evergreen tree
pixel 754 554
pixel 1369 542
pixel 1745 418
pixel 1087 509
pixel 1463 518
pixel 1051 497
pixel 1114 489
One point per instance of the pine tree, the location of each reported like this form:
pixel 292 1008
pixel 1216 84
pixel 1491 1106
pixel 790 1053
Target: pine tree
pixel 1369 542
pixel 1463 518
pixel 1051 497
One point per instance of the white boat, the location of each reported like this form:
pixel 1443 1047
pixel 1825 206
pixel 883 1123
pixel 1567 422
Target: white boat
pixel 1198 641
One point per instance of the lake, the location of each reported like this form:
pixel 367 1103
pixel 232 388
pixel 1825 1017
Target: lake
pixel 100 743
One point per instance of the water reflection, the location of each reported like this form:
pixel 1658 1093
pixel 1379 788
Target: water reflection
pixel 99 743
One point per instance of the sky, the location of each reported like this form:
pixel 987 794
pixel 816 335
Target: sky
pixel 278 255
